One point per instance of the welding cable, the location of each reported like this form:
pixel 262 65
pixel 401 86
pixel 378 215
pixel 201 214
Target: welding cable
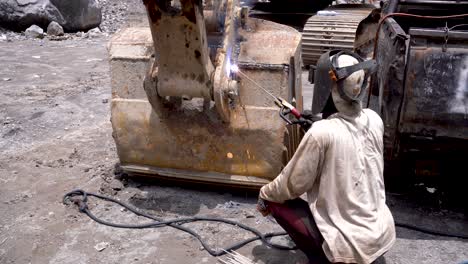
pixel 177 223
pixel 376 38
pixel 430 231
pixel 82 204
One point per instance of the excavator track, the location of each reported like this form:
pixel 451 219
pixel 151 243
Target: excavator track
pixel 333 28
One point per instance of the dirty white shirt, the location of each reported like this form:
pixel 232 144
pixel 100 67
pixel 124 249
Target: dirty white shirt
pixel 339 164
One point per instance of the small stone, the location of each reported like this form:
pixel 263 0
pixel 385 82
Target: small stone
pixel 34 32
pixel 7 79
pixel 95 32
pixel 58 137
pixel 101 246
pixel 116 185
pixel 105 101
pixel 14 172
pixel 3 38
pixel 86 170
pixel 36 57
pixel 54 29
pixel 231 204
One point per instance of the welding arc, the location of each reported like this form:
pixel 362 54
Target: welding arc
pixel 258 85
pixel 175 223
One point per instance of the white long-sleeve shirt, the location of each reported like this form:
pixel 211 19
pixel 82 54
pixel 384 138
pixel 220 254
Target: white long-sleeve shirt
pixel 339 164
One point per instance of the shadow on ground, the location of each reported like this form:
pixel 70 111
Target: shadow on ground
pixel 186 199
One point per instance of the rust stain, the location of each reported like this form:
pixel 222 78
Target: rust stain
pixel 188 9
pixel 153 10
pixel 197 54
pixel 201 78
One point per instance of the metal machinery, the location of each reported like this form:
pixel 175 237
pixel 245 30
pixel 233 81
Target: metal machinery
pixel 421 88
pixel 179 111
pixel 334 28
pixel 325 24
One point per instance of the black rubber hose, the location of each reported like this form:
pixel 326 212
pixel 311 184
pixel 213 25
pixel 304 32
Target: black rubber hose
pixel 430 231
pixel 177 223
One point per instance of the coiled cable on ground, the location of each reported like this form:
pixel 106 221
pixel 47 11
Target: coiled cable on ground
pixel 80 198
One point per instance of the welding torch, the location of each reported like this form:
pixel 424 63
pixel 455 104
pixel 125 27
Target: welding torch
pixel 286 108
pixel 304 119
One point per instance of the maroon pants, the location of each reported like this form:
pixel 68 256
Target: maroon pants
pixel 294 217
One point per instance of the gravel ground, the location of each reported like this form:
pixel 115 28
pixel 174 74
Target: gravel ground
pixel 55 136
pixel 114 13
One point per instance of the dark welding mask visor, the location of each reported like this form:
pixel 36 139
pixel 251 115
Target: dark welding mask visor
pixel 327 73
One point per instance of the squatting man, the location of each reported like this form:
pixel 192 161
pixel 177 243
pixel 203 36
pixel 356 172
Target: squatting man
pixel 339 166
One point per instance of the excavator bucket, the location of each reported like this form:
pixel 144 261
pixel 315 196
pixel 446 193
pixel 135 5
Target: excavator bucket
pixel 180 110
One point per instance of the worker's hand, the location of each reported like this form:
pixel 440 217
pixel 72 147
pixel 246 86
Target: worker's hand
pixel 262 207
pixel 307 114
pixel 307 119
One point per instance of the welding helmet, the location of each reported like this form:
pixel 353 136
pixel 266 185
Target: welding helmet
pixel 344 75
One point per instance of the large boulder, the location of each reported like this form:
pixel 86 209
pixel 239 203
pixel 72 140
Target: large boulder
pixel 79 15
pixel 72 15
pixel 20 14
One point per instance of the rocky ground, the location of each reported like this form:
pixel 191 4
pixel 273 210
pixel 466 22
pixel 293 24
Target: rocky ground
pixel 55 136
pixel 114 13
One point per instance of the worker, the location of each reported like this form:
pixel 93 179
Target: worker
pixel 338 166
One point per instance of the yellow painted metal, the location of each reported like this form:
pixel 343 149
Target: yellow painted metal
pixel 188 139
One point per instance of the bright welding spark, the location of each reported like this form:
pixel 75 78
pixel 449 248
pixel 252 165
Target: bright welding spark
pixel 234 68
